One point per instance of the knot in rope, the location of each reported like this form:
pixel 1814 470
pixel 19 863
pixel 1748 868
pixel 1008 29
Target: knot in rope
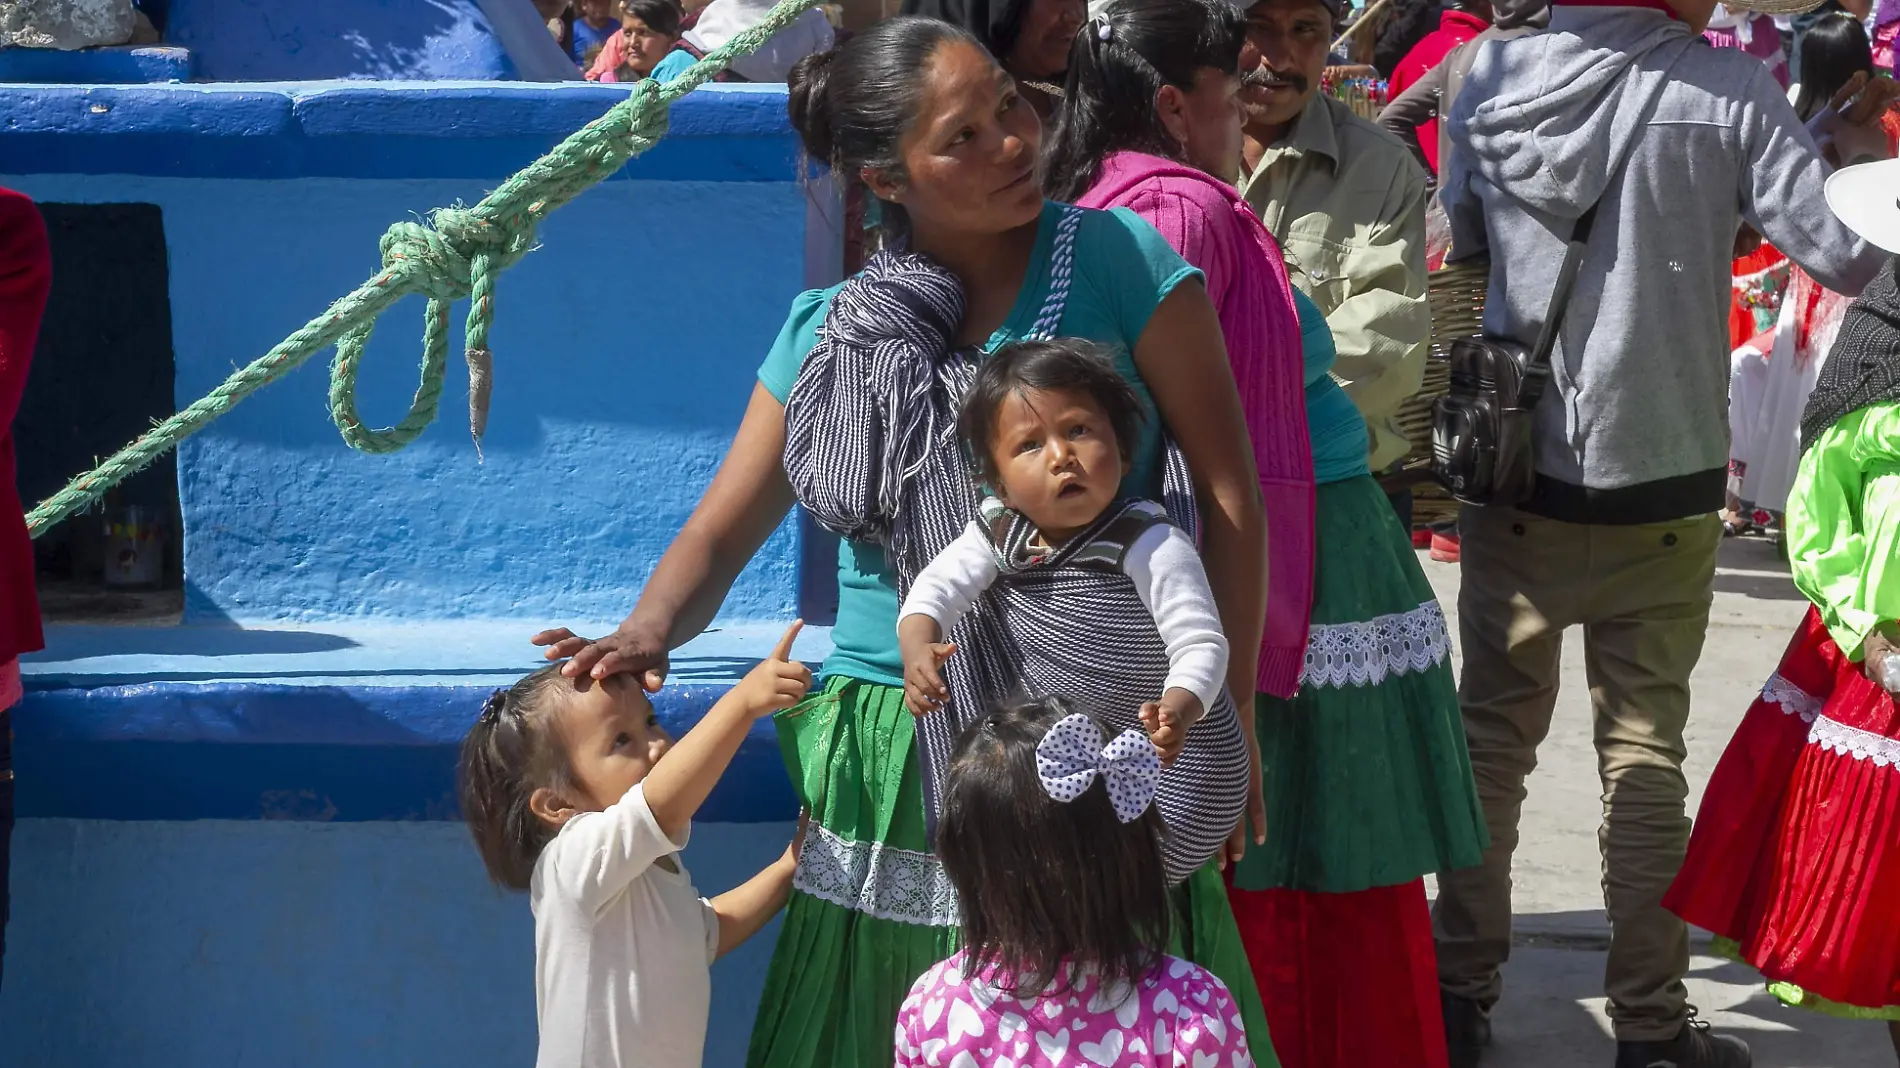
pixel 649 119
pixel 442 259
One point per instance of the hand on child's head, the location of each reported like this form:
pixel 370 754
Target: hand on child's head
pixel 778 682
pixel 545 749
pixel 612 738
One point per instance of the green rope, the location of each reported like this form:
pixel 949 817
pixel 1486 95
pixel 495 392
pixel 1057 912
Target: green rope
pixel 459 253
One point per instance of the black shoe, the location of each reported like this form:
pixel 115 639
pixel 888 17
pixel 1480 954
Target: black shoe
pixel 1693 1047
pixel 1467 1030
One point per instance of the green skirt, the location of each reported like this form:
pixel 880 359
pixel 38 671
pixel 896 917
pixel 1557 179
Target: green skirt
pixel 1367 779
pixel 871 908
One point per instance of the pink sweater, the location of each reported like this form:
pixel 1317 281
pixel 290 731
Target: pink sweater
pixel 1213 229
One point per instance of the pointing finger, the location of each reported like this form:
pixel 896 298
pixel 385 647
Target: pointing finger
pixel 783 650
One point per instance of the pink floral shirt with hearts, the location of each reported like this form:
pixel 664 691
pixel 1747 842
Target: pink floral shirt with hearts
pixel 1180 1016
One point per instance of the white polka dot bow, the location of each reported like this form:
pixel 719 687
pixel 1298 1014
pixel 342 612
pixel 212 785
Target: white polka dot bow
pixel 1071 755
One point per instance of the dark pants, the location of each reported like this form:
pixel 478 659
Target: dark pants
pixel 1402 505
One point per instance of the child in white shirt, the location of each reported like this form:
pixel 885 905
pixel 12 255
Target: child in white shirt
pixel 565 790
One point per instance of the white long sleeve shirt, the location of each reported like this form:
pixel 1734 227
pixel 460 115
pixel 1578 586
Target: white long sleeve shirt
pixel 1168 576
pixel 623 947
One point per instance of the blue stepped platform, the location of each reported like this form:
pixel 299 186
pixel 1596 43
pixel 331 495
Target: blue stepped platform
pixel 242 846
pixel 238 842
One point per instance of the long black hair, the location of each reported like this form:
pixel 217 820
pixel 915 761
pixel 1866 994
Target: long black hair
pixel 1832 52
pixel 1119 61
pixel 852 105
pixel 1043 883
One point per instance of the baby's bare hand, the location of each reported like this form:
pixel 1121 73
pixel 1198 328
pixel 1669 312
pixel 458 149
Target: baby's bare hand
pixel 924 688
pixel 1168 721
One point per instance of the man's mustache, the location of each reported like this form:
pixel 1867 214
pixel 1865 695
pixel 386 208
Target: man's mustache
pixel 1260 78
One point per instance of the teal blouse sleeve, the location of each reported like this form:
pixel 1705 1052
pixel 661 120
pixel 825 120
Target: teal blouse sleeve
pixel 1123 264
pixel 672 65
pixel 1843 525
pixel 795 341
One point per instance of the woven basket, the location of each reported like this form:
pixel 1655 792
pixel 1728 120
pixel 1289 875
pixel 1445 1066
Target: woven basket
pixel 1456 295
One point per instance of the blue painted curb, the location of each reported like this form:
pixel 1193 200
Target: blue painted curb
pixel 223 750
pixel 720 133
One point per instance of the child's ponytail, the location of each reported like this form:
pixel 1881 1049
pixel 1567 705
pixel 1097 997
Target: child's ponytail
pixel 508 754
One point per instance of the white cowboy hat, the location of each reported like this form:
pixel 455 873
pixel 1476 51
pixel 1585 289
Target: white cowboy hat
pixel 1867 198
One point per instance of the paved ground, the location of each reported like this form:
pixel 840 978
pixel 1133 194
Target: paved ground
pixel 1552 1014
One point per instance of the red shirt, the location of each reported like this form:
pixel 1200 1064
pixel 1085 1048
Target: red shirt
pixel 1454 29
pixel 26 273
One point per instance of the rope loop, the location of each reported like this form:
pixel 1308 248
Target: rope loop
pixel 349 359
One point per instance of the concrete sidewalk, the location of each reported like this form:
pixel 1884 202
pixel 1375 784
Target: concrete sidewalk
pixel 1552 1013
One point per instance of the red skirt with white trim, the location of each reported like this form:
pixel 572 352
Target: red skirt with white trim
pixel 1795 857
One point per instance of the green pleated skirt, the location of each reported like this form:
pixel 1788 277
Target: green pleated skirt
pixel 1367 779
pixel 871 909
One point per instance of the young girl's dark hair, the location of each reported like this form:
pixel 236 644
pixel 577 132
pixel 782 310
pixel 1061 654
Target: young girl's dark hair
pixel 853 104
pixel 1063 365
pixel 512 751
pixel 1108 104
pixel 1832 51
pixel 660 16
pixel 1042 882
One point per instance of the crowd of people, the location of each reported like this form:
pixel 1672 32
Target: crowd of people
pixel 1140 729
pixel 626 40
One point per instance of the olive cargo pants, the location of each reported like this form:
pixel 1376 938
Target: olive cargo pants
pixel 1642 595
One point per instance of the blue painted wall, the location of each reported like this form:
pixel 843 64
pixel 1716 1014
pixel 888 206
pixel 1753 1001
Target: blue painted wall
pixel 239 844
pixel 271 944
pixel 240 40
pixel 625 348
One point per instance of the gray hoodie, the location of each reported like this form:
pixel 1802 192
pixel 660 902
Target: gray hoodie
pixel 1635 428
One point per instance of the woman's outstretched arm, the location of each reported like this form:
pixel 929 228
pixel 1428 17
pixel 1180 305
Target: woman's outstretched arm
pixel 745 503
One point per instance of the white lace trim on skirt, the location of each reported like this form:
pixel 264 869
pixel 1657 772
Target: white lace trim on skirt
pixel 1794 700
pixel 876 879
pixel 1855 742
pixel 1365 653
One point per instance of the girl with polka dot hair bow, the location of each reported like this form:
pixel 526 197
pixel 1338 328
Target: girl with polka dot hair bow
pixel 1050 836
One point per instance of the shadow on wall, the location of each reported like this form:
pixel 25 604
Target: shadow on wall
pixel 214 640
pixel 297 40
